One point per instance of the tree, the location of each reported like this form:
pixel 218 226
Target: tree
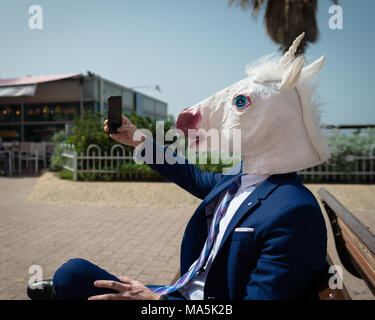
pixel 286 19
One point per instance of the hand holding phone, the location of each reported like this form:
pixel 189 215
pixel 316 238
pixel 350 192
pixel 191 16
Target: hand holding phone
pixel 119 127
pixel 114 113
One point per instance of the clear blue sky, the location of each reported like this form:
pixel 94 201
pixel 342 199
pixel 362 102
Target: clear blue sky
pixel 192 49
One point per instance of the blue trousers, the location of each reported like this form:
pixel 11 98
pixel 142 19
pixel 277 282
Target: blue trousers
pixel 74 280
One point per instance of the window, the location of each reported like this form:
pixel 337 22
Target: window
pixel 148 105
pixel 38 133
pixel 10 113
pixel 10 133
pixel 161 109
pixel 51 112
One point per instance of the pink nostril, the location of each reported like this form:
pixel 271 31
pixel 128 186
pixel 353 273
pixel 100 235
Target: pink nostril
pixel 188 120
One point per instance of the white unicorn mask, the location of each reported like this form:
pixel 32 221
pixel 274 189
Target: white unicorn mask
pixel 274 110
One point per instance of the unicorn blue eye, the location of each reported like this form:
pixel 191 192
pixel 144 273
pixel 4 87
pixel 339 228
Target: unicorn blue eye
pixel 241 101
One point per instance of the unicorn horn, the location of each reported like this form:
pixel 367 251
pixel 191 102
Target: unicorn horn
pixel 289 55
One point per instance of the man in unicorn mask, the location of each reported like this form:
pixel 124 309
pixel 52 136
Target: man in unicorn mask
pixel 258 233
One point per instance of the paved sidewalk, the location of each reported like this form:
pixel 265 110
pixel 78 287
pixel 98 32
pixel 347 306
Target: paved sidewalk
pixel 45 221
pixel 142 243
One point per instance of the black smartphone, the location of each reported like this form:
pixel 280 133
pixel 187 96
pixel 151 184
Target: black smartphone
pixel 114 113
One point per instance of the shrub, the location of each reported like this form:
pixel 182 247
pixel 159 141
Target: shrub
pixel 355 143
pixel 57 160
pixel 88 129
pixel 65 174
pixel 142 171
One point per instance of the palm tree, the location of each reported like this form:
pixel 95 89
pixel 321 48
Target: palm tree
pixel 286 19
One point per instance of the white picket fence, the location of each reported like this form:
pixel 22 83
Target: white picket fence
pixel 362 169
pixel 94 161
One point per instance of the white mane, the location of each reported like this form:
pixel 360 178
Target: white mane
pixel 265 69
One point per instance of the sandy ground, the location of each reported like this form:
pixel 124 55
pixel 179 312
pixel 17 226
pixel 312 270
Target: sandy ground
pixel 359 199
pixel 49 189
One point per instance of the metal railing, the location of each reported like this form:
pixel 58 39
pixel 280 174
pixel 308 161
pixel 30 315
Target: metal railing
pixel 357 168
pixel 95 161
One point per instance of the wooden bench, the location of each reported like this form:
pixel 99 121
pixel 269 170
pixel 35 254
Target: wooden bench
pixel 355 246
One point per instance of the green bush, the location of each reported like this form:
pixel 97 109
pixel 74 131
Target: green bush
pixel 94 176
pixel 143 171
pixel 355 143
pixel 65 174
pixel 57 160
pixel 88 129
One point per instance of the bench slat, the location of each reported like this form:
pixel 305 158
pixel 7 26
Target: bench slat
pixel 353 223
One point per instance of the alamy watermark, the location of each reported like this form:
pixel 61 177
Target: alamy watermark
pixel 36 272
pixel 36 19
pixel 224 146
pixel 336 21
pixel 335 282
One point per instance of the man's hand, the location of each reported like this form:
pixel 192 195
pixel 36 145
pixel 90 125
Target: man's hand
pixel 128 289
pixel 126 133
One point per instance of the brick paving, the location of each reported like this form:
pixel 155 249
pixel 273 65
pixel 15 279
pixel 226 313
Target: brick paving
pixel 142 243
pixel 45 221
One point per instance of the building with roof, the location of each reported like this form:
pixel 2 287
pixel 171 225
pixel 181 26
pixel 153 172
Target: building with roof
pixel 34 108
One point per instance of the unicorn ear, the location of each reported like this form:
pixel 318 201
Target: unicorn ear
pixel 313 68
pixel 291 78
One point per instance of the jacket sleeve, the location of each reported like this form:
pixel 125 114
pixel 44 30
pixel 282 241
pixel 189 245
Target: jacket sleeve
pixel 176 168
pixel 294 250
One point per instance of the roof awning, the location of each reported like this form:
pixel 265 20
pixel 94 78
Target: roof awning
pixel 26 86
pixel 36 79
pixel 18 91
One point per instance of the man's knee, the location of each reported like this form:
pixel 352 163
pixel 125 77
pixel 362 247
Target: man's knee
pixel 75 280
pixel 68 278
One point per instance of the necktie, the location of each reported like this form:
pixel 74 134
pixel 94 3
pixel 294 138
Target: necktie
pixel 205 253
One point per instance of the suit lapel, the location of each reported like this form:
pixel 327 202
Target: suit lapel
pixel 250 204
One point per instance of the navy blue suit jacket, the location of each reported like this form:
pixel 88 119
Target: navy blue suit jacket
pixel 279 260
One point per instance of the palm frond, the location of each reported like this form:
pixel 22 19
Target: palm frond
pixel 286 19
pixel 253 5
